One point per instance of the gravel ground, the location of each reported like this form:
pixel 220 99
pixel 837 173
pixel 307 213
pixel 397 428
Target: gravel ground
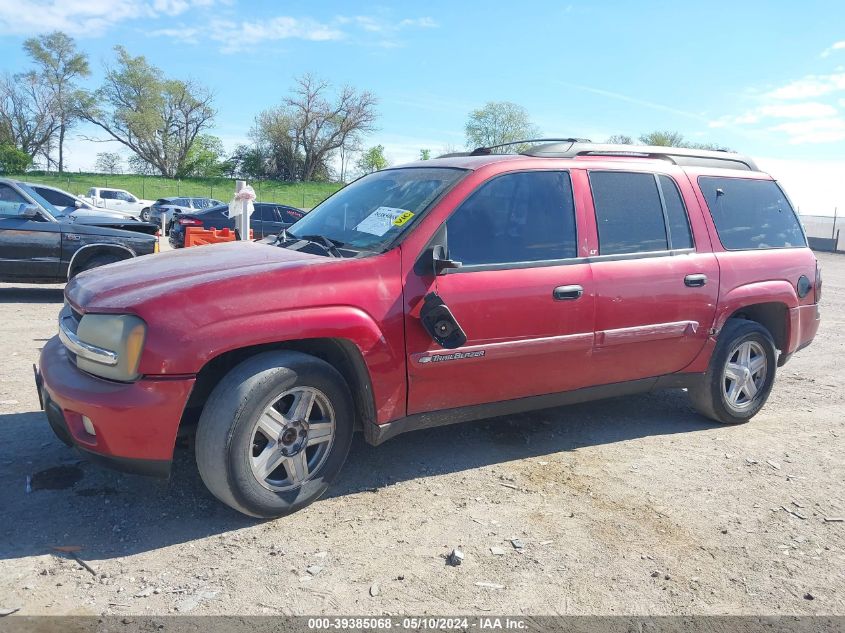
pixel 628 506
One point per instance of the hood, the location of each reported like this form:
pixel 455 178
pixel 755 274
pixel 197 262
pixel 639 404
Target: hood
pixel 121 223
pixel 136 285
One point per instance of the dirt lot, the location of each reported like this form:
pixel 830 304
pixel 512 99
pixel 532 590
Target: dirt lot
pixel 634 505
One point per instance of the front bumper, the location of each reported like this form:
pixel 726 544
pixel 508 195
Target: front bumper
pixel 135 423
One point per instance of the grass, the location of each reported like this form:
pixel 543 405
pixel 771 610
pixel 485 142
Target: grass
pixel 297 194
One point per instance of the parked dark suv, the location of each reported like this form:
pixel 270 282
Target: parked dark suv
pixel 438 292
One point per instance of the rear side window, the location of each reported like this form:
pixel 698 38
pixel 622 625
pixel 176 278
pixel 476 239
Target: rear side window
pixel 55 197
pixel 290 215
pixel 676 214
pixel 268 213
pixel 513 218
pixel 629 215
pixel 751 213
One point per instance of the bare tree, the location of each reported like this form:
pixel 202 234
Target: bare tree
pixel 59 64
pixel 620 139
pixel 312 123
pixel 157 118
pixel 108 163
pixel 28 113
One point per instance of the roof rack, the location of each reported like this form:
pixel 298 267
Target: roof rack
pixel 571 148
pixel 485 151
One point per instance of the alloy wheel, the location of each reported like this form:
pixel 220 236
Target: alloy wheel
pixel 292 438
pixel 744 374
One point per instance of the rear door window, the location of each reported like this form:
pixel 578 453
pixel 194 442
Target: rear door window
pixel 751 214
pixel 629 214
pixel 290 215
pixel 676 214
pixel 515 218
pixel 54 197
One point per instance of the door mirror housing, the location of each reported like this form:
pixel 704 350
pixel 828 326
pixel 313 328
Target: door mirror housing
pixel 441 262
pixel 30 212
pixel 77 204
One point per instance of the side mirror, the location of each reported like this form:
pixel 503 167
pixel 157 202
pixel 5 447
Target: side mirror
pixel 77 204
pixel 441 262
pixel 101 202
pixel 30 212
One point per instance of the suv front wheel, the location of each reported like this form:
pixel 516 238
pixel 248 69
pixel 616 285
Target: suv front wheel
pixel 274 433
pixel 740 376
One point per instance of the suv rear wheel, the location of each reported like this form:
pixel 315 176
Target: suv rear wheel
pixel 274 433
pixel 741 373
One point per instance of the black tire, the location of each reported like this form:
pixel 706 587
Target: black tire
pixel 96 262
pixel 710 399
pixel 225 437
pixel 145 215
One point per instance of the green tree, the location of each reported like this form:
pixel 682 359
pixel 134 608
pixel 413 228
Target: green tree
pixel 425 154
pixel 205 158
pixel 59 64
pixel 620 139
pixel 499 122
pixel 157 118
pixel 108 163
pixel 668 138
pixel 13 160
pixel 372 160
pixel 663 138
pixel 246 162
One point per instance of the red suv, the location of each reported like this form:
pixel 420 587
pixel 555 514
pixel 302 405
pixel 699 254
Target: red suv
pixel 442 291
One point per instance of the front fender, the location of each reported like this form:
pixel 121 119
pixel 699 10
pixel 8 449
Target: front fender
pixel 189 351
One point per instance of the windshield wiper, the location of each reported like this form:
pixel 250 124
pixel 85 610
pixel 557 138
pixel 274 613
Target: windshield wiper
pixel 331 245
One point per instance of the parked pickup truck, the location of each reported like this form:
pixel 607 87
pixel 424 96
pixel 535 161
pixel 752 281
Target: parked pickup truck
pixel 441 291
pixel 38 244
pixel 119 200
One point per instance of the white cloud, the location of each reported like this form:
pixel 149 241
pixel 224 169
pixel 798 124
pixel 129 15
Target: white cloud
pixel 824 130
pixel 423 23
pixel 797 110
pixel 836 46
pixel 237 37
pixel 88 17
pixel 810 87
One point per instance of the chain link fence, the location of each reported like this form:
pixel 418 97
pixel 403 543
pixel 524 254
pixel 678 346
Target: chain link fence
pixel 304 195
pixel 825 232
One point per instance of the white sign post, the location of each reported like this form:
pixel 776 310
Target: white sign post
pixel 241 207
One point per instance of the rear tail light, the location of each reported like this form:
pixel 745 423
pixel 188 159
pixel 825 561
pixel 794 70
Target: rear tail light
pixel 817 288
pixel 189 222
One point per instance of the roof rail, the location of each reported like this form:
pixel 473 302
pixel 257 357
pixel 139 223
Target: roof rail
pixel 484 151
pixel 571 148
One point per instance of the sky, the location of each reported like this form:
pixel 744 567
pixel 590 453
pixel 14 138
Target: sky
pixel 763 78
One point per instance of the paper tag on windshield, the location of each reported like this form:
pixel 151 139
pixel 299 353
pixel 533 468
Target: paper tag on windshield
pixel 383 219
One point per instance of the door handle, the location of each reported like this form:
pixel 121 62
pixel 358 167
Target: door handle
pixel 567 293
pixel 695 281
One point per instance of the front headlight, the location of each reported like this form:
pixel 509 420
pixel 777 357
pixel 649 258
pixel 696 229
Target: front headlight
pixel 106 345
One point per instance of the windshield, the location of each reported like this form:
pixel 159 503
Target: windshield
pixel 373 211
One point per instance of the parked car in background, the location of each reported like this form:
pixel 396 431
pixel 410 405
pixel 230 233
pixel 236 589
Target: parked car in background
pixel 70 205
pixel 39 245
pixel 268 219
pixel 118 200
pixel 169 206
